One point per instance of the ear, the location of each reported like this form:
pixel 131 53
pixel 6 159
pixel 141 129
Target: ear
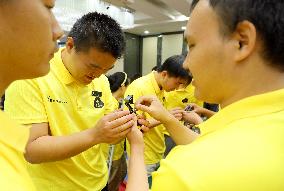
pixel 69 44
pixel 164 73
pixel 245 40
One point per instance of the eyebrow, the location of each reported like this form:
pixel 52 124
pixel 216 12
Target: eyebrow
pixel 97 66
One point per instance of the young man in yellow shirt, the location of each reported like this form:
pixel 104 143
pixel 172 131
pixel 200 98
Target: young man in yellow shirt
pixel 236 58
pixel 169 76
pixel 28 30
pixel 68 109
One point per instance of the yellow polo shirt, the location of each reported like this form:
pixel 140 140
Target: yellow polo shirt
pixel 181 98
pixel 154 139
pixel 241 148
pixel 68 107
pixel 13 140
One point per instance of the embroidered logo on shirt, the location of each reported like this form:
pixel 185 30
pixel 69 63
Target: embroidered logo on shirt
pixel 97 102
pixel 185 100
pixel 55 100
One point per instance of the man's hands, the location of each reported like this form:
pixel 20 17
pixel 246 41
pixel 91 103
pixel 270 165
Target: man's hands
pixel 113 127
pixel 153 107
pixel 177 113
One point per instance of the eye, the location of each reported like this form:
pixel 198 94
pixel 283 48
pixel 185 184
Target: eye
pixel 190 46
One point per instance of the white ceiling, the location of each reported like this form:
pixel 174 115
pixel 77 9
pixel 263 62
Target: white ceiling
pixel 156 16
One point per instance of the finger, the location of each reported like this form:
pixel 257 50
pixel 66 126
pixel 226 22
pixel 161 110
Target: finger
pixel 122 120
pixel 116 115
pixel 123 127
pixel 145 129
pixel 125 132
pixel 143 108
pixel 143 122
pixel 145 100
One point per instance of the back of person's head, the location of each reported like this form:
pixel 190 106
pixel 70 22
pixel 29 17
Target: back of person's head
pixel 96 30
pixel 266 15
pixel 135 76
pixel 155 68
pixel 117 80
pixel 174 67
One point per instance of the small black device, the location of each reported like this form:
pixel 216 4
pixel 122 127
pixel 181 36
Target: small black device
pixel 128 101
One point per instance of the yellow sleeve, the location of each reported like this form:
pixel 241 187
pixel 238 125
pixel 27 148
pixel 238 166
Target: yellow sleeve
pixel 24 102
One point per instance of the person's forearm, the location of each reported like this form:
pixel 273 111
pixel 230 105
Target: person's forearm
pixel 137 176
pixel 179 133
pixel 54 148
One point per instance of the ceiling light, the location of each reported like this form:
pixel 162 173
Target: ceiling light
pixel 146 32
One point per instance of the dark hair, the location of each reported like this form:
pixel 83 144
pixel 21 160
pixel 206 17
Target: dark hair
pixel 155 68
pixel 96 30
pixel 173 65
pixel 135 76
pixel 266 15
pixel 116 80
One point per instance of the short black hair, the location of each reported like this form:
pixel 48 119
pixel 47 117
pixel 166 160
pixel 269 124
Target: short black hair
pixel 174 66
pixel 116 80
pixel 96 30
pixel 266 15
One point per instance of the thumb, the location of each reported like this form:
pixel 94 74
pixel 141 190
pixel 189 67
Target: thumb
pixel 143 108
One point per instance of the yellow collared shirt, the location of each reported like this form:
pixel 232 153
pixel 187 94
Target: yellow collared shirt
pixel 13 140
pixel 68 107
pixel 181 98
pixel 240 148
pixel 154 139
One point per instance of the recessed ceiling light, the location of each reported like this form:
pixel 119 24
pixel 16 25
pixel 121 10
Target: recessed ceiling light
pixel 183 28
pixel 146 32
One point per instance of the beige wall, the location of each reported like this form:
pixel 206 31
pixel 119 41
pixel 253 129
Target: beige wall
pixel 149 55
pixel 172 45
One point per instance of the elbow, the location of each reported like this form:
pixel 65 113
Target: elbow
pixel 30 158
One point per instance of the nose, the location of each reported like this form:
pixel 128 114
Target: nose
pixel 57 32
pixel 185 63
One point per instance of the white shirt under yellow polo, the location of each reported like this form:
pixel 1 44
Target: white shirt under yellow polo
pixel 69 108
pixel 241 149
pixel 181 98
pixel 13 172
pixel 154 139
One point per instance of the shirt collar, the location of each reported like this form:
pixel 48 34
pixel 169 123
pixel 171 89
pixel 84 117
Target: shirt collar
pixel 155 84
pixel 248 107
pixel 59 68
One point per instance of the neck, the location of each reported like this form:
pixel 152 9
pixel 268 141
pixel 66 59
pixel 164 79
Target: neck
pixel 117 95
pixel 158 79
pixel 264 80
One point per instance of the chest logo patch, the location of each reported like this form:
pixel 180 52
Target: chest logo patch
pixel 98 103
pixel 185 100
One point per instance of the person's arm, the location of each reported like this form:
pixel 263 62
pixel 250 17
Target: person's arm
pixel 176 112
pixel 180 134
pixel 137 176
pixel 191 117
pixel 202 111
pixel 43 147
